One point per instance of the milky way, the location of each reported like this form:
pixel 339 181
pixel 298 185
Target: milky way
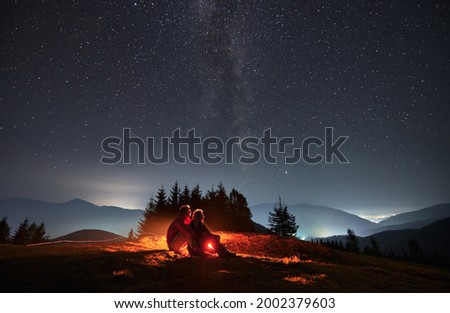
pixel 73 74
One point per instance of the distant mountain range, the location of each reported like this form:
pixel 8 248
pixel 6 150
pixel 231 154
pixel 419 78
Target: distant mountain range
pixel 435 212
pixel 63 218
pixel 314 221
pixel 318 221
pixel 411 220
pixel 432 238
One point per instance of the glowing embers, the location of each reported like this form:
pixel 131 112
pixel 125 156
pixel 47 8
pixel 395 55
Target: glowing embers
pixel 305 279
pixel 123 273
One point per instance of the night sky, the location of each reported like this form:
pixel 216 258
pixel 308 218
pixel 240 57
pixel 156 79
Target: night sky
pixel 73 74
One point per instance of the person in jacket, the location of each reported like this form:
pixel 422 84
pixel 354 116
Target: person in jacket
pixel 180 234
pixel 206 241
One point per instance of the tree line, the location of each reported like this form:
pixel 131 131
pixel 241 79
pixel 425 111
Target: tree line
pixel 223 211
pixel 25 233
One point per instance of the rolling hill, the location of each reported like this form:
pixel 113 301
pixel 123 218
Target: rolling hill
pixel 91 235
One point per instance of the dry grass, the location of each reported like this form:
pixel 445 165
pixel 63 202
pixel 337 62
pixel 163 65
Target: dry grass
pixel 266 263
pixel 305 280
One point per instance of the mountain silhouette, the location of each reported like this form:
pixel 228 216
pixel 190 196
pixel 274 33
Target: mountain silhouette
pixel 410 220
pixel 410 225
pixel 429 214
pixel 314 220
pixel 432 238
pixel 63 218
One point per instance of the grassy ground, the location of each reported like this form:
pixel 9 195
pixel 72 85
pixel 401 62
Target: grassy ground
pixel 265 264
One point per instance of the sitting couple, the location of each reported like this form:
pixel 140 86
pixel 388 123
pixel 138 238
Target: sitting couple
pixel 193 233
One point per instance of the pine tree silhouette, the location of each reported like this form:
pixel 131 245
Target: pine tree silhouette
pixel 5 230
pixel 281 222
pixel 196 198
pixel 216 206
pixel 222 211
pixel 352 241
pixel 174 199
pixel 239 212
pixel 145 225
pixel 162 208
pixel 185 196
pixel 374 248
pixel 38 233
pixel 22 235
pixel 26 233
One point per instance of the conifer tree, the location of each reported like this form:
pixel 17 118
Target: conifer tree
pixel 162 208
pixel 26 233
pixel 31 230
pixel 174 199
pixel 185 197
pixel 22 235
pixel 196 198
pixel 352 241
pixel 145 224
pixel 281 222
pixel 374 248
pixel 239 212
pixel 5 230
pixel 38 233
pixel 216 206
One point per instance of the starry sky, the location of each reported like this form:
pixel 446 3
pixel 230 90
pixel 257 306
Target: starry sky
pixel 74 73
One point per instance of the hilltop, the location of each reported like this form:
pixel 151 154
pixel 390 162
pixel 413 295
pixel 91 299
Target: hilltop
pixel 91 235
pixel 266 263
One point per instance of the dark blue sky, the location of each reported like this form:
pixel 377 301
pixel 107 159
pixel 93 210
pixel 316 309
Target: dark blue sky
pixel 378 72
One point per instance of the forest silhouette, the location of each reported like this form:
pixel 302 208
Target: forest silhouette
pixel 223 211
